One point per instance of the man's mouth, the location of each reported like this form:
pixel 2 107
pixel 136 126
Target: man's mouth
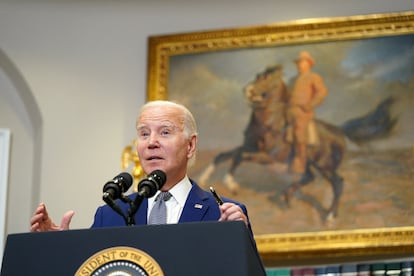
pixel 154 158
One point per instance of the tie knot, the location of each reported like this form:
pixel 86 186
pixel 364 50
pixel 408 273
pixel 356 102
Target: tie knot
pixel 158 214
pixel 165 196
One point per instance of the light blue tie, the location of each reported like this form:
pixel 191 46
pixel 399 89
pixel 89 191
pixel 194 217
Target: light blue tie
pixel 158 213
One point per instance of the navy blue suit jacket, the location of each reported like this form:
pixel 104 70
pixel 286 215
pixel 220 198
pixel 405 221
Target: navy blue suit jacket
pixel 200 206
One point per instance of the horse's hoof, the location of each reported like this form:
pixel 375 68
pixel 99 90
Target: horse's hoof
pixel 281 202
pixel 330 221
pixel 327 216
pixel 330 217
pixel 231 184
pixel 202 181
pixel 285 199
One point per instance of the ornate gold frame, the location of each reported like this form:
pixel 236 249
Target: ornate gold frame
pixel 295 248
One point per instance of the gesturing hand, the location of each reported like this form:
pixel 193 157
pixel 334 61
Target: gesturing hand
pixel 41 222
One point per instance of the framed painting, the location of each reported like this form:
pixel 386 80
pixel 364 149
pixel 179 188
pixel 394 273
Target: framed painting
pixel 325 163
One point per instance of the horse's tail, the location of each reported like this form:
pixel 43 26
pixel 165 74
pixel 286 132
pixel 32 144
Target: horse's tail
pixel 376 124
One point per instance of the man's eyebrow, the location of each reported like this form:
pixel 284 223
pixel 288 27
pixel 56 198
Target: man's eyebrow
pixel 166 124
pixel 140 127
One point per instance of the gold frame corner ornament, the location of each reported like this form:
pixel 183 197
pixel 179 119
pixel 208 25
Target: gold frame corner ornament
pixel 130 160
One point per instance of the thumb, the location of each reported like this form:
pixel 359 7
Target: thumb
pixel 67 217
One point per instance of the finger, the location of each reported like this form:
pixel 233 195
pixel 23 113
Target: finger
pixel 46 214
pixel 67 218
pixel 41 212
pixel 36 218
pixel 238 217
pixel 34 227
pixel 40 209
pixel 229 214
pixel 232 212
pixel 235 216
pixel 226 207
pixel 231 208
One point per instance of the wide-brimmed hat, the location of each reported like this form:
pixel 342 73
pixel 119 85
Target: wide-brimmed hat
pixel 307 56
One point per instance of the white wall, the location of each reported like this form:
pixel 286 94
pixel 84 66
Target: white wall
pixel 85 64
pixel 4 175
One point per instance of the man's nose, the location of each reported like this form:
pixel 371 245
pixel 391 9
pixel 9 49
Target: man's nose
pixel 153 140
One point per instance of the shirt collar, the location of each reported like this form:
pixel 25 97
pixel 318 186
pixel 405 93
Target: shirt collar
pixel 179 191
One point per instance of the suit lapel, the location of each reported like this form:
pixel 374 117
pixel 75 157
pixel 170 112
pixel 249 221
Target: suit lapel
pixel 141 215
pixel 195 206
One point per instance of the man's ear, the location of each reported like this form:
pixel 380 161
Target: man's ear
pixel 192 146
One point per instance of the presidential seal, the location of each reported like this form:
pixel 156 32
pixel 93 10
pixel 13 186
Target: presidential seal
pixel 120 261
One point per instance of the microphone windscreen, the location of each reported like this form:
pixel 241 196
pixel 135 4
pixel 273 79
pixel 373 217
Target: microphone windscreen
pixel 159 176
pixel 150 185
pixel 125 179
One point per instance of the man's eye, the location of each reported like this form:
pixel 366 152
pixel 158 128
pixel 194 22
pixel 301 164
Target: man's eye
pixel 143 134
pixel 165 132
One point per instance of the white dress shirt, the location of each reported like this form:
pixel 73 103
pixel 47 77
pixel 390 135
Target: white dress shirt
pixel 175 204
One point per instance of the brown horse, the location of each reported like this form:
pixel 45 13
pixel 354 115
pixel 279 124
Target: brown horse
pixel 265 143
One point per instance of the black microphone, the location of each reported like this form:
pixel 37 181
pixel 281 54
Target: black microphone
pixel 150 185
pixel 114 189
pixel 117 186
pixel 146 188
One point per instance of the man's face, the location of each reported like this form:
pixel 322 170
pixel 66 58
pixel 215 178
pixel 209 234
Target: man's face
pixel 303 65
pixel 162 144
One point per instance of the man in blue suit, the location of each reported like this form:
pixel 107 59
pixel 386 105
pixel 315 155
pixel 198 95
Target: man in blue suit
pixel 167 141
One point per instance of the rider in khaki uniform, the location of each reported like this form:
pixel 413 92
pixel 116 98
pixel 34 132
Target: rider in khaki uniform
pixel 307 93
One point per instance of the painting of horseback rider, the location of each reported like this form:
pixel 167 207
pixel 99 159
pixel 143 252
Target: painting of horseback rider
pixel 282 129
pixel 307 93
pixel 357 132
